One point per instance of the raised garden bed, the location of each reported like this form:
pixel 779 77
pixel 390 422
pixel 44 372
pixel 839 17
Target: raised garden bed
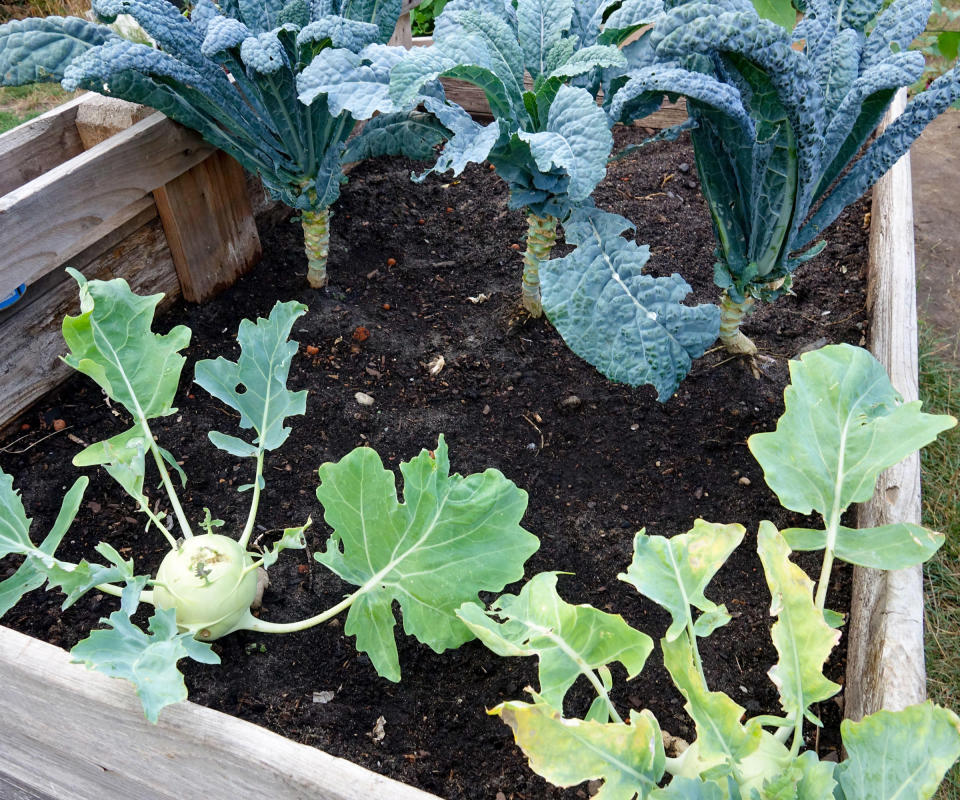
pixel 591 468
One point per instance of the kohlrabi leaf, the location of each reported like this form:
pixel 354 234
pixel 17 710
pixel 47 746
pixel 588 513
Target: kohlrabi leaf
pixel 431 553
pixel 802 637
pixel 681 788
pixel 569 640
pixel 721 737
pixel 75 580
pixel 123 457
pixel 844 424
pixel 33 49
pixel 111 342
pixel 148 661
pixel 898 755
pixel 675 572
pixel 627 757
pixel 888 547
pixel 780 11
pixel 14 538
pixel 262 369
pixel 576 139
pixel 630 326
pixel 292 539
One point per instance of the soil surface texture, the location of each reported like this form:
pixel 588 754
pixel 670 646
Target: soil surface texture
pixel 424 271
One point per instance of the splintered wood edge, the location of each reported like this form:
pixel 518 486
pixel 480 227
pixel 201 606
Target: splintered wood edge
pixel 72 733
pixel 885 654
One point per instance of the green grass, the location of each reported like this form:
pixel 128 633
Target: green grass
pixel 20 103
pixel 940 392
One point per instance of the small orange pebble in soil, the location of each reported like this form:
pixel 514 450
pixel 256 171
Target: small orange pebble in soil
pixel 303 569
pixel 361 334
pixel 25 426
pixel 386 306
pixel 514 246
pixel 391 262
pixel 59 424
pixel 312 350
pixel 449 210
pixel 421 221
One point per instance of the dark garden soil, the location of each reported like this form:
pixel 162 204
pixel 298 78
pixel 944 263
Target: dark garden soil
pixel 409 267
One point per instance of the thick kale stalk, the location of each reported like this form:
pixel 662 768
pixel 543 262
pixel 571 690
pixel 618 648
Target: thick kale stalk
pixel 430 553
pixel 230 71
pixel 541 237
pixel 781 121
pixel 316 240
pixel 860 426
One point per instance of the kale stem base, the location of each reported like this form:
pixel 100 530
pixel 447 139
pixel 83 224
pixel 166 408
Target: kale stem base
pixel 316 243
pixel 541 237
pixel 732 315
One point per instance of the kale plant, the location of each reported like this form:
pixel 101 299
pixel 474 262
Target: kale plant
pixel 842 426
pixel 430 553
pixel 550 142
pixel 781 119
pixel 229 72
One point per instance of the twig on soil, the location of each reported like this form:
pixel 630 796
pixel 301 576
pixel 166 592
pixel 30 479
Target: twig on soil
pixel 30 447
pixel 534 426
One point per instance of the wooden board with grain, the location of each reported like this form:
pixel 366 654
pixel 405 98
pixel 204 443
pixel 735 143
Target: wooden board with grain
pixel 885 656
pixel 39 145
pixel 72 734
pixel 209 226
pixel 30 340
pixel 52 218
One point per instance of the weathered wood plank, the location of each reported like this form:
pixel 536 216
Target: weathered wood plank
pixel 209 226
pixel 87 192
pixel 403 33
pixel 30 338
pixel 79 735
pixel 39 145
pixel 885 658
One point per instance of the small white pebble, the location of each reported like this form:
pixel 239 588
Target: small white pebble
pixel 363 399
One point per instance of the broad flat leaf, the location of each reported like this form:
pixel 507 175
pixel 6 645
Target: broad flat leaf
pixel 843 425
pixel 431 553
pixel 627 757
pixel 540 25
pixel 675 572
pixel 577 139
pixel 34 49
pixel 14 527
pixel 802 638
pixel 469 143
pixel 111 342
pixel 721 737
pixel 630 326
pixel 354 82
pixel 148 661
pixel 262 370
pixel 898 754
pixel 569 640
pixel 888 547
pixel 780 11
pixel 292 539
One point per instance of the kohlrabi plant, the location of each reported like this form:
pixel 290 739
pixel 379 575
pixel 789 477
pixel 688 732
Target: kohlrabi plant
pixel 430 553
pixel 229 71
pixel 780 119
pixel 842 426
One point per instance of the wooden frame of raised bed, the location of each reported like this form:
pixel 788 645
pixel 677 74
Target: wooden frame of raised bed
pixel 72 734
